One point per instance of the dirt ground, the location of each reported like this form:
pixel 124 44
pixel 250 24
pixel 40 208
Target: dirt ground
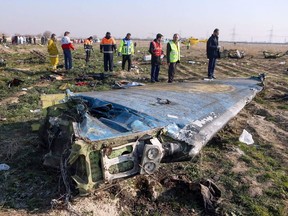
pixel 253 179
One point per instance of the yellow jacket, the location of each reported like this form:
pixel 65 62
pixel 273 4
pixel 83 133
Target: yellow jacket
pixel 52 48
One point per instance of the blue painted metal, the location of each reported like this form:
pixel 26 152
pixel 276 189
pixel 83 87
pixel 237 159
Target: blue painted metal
pixel 191 112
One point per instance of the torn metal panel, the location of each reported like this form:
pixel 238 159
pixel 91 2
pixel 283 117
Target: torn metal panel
pixel 120 133
pixel 196 110
pixel 272 55
pixel 111 166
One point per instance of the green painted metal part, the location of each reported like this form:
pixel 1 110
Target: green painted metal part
pixel 86 163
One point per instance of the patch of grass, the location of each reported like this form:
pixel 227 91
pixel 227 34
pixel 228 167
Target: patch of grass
pixel 283 107
pixel 193 171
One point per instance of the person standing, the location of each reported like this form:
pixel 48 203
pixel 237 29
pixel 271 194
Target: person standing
pixel 156 51
pixel 188 44
pixel 173 56
pixel 53 52
pixel 126 49
pixel 107 47
pixel 88 48
pixel 67 46
pixel 4 39
pixel 212 49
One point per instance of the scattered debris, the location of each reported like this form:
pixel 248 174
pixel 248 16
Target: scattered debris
pixel 135 70
pixel 92 76
pixel 232 53
pixel 282 63
pixel 262 77
pixel 56 77
pixel 47 77
pixel 191 62
pixel 204 192
pixel 147 58
pixel 14 82
pixel 39 58
pixel 4 167
pixel 65 86
pixel 271 55
pixel 246 137
pixel 51 100
pixel 35 111
pixel 123 84
pixel 24 89
pixel 3 119
pixel 236 54
pixel 81 83
pixel 2 63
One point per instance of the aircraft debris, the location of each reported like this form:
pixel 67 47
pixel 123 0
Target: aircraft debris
pixel 92 76
pixel 205 192
pixel 38 58
pixel 123 84
pixel 97 137
pixel 4 167
pixel 2 63
pixel 271 55
pixel 232 53
pixel 14 82
pixel 147 58
pixel 246 138
pixel 35 111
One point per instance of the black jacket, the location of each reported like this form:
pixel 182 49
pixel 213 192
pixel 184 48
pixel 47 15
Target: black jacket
pixel 211 47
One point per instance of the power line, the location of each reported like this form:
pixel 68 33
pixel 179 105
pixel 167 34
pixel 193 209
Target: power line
pixel 271 35
pixel 233 34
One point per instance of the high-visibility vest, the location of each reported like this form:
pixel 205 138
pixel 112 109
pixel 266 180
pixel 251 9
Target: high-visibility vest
pixel 175 52
pixel 126 47
pixel 108 45
pixel 88 44
pixel 157 49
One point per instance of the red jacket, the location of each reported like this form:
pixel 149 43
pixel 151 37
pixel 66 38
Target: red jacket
pixel 66 43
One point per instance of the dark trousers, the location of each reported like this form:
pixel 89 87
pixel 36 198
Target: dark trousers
pixel 88 54
pixel 124 59
pixel 67 59
pixel 211 67
pixel 171 71
pixel 155 72
pixel 108 61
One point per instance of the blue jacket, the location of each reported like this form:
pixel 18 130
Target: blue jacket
pixel 211 47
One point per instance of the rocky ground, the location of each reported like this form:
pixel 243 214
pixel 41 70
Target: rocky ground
pixel 253 179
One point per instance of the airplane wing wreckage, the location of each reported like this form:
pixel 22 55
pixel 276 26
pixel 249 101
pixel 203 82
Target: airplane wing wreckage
pixel 96 137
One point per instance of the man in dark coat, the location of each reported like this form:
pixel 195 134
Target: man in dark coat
pixel 213 53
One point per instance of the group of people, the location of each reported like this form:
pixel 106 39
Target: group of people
pixel 23 40
pixel 126 50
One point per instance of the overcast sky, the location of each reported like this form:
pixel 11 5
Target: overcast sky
pixel 244 20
